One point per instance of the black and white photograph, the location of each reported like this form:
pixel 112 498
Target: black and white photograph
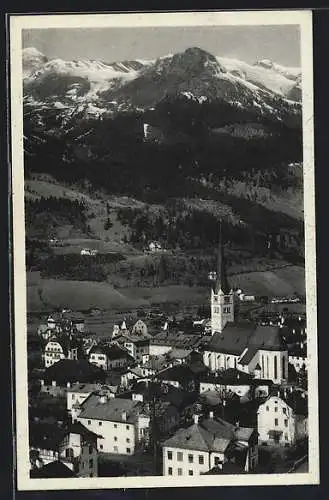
pixel 164 249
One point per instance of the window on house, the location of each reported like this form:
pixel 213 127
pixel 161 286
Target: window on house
pixel 100 446
pixel 127 440
pixel 180 472
pixel 169 455
pixel 73 396
pixel 286 437
pixel 99 423
pixel 128 450
pixel 91 474
pixel 201 459
pixel 115 426
pixel 284 410
pixel 127 427
pixel 190 459
pixel 115 448
pixel 217 460
pixel 170 471
pixel 89 422
pixel 285 422
pixel 91 463
pixel 180 456
pixel 276 422
pixel 190 472
pixel 115 438
pixel 276 409
pixel 90 449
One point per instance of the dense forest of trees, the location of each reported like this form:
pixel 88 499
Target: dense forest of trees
pixel 112 154
pixel 70 211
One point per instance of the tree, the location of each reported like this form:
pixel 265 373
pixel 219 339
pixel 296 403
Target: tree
pixel 108 224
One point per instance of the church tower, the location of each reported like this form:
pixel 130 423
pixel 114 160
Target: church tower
pixel 222 299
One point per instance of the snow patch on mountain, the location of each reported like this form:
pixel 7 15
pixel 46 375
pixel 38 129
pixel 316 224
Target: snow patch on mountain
pixel 263 74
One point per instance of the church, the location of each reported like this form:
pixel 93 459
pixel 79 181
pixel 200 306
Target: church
pixel 254 349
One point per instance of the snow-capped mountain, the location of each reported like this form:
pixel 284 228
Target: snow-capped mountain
pixel 95 88
pixel 32 60
pixel 264 74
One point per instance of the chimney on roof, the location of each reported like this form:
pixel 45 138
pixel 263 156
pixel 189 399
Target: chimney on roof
pixel 103 399
pixel 196 418
pixel 68 385
pixel 111 395
pixel 42 382
pixel 211 414
pixel 237 424
pixel 124 416
pixel 53 383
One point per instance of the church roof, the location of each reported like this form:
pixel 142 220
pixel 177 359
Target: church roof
pixel 233 339
pixel 267 337
pixel 236 337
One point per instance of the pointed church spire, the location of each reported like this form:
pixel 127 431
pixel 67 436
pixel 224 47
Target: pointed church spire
pixel 221 278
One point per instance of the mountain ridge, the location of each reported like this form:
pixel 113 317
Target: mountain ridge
pixel 119 86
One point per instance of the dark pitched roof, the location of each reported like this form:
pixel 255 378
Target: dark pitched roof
pixel 214 435
pixel 177 340
pixel 111 410
pixel 53 469
pixel 78 428
pixel 267 337
pixel 70 370
pixel 111 351
pixel 233 339
pixel 231 376
pixel 176 373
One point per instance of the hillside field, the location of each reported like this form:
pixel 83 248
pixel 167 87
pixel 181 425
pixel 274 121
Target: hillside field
pixel 47 294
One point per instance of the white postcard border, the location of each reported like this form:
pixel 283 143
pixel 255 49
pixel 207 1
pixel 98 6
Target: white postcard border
pixel 284 17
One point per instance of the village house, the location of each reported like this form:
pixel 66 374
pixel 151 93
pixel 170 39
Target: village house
pixel 234 381
pixel 75 447
pixel 298 356
pixel 158 403
pixel 154 246
pixel 164 342
pixel 179 356
pixel 77 393
pixel 55 469
pixel 136 342
pixel 121 423
pixel 58 348
pixel 140 328
pixel 139 372
pixel 109 357
pixel 89 251
pixel 208 443
pixel 60 377
pixel 282 418
pixel 178 376
pixel 66 322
